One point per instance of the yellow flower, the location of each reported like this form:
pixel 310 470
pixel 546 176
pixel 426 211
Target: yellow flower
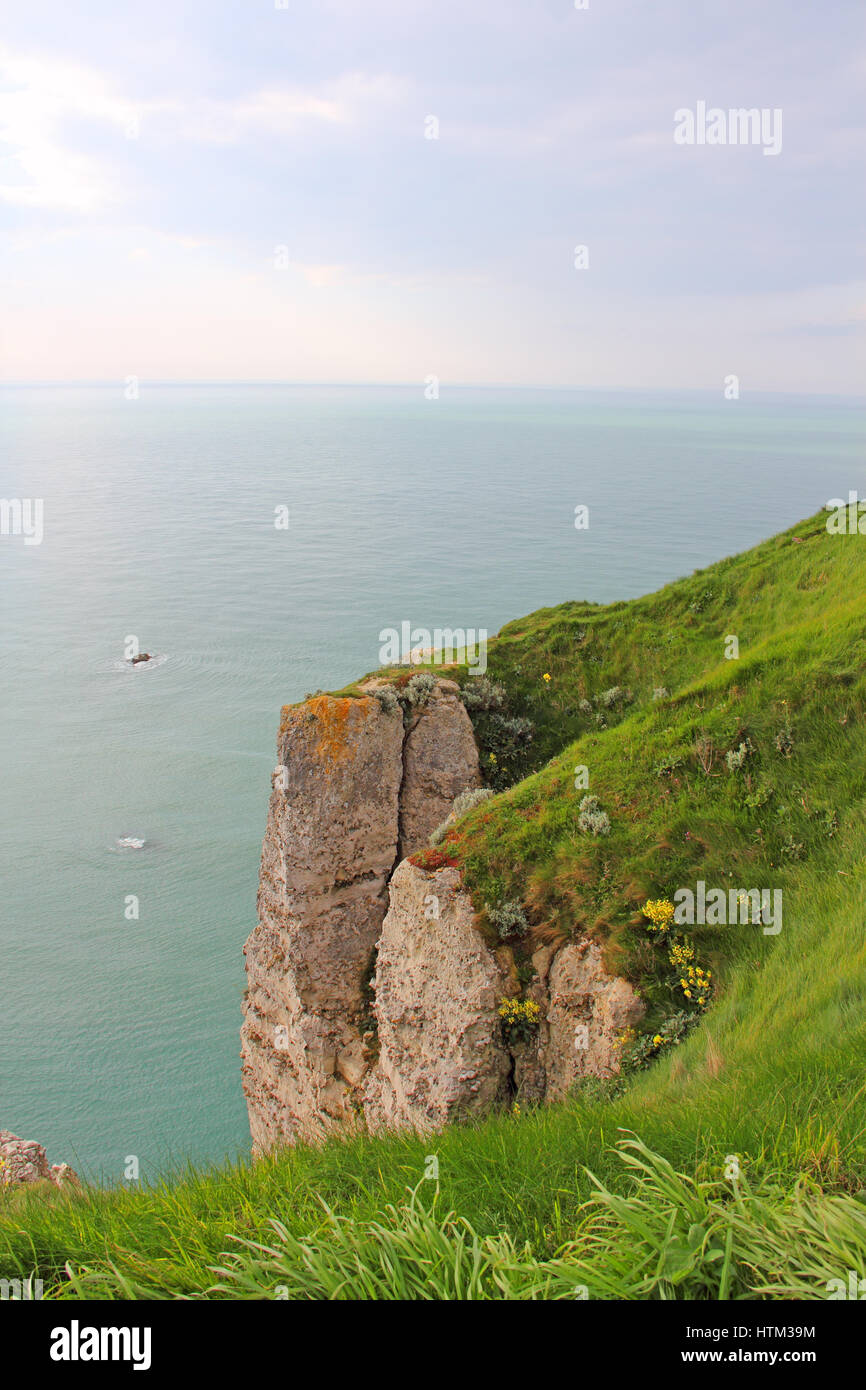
pixel 681 954
pixel 660 914
pixel 546 676
pixel 519 1011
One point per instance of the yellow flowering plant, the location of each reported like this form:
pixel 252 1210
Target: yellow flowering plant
pixel 519 1018
pixel 643 1048
pixel 681 954
pixel 660 915
pixel 697 985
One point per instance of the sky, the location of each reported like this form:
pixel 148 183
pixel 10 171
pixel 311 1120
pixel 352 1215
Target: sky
pixel 210 191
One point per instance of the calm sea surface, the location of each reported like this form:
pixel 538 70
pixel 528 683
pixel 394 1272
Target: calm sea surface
pixel 120 1036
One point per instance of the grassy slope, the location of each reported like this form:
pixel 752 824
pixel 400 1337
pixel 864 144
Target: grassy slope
pixel 775 1073
pixel 798 609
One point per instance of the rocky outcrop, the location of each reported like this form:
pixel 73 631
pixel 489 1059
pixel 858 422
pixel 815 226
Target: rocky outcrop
pixel 343 788
pixel 372 996
pixel 329 848
pixel 25 1161
pixel 437 988
pixel 588 1009
pixel 440 760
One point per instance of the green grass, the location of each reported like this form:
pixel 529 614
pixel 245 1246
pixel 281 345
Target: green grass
pixel 677 813
pixel 670 1237
pixel 774 1074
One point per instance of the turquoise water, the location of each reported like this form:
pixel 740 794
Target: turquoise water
pixel 118 1036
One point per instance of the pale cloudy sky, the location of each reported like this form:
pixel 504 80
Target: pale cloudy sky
pixel 153 157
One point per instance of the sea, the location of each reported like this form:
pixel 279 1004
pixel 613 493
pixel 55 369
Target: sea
pixel 256 540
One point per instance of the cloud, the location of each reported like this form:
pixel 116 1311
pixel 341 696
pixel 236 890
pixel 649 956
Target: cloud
pixel 408 255
pixel 42 167
pixel 41 96
pixel 283 111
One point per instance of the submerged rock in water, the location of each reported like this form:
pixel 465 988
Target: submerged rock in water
pixel 142 656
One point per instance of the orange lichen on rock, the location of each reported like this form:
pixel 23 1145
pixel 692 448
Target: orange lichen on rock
pixel 334 717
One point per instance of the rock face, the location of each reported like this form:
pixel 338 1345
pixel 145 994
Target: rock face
pixel 440 760
pixel 372 995
pixel 329 847
pixel 588 1009
pixel 342 789
pixel 24 1161
pixel 437 989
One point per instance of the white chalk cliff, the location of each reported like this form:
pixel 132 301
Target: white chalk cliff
pixel 372 995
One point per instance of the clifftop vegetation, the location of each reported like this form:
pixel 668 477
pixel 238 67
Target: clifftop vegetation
pixel 742 771
pixel 731 769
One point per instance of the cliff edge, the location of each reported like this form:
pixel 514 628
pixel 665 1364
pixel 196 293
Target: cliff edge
pixel 373 998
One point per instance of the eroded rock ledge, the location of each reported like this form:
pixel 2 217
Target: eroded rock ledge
pixel 25 1161
pixel 372 996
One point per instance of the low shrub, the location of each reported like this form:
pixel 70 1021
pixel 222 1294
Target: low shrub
pixel 387 697
pixel 508 918
pixel 639 1050
pixel 615 698
pixel 420 688
pixel 481 693
pixel 592 820
pixel 736 757
pixel 514 732
pixel 473 796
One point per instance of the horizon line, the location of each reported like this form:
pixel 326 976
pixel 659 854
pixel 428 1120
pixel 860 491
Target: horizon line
pixel 216 382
